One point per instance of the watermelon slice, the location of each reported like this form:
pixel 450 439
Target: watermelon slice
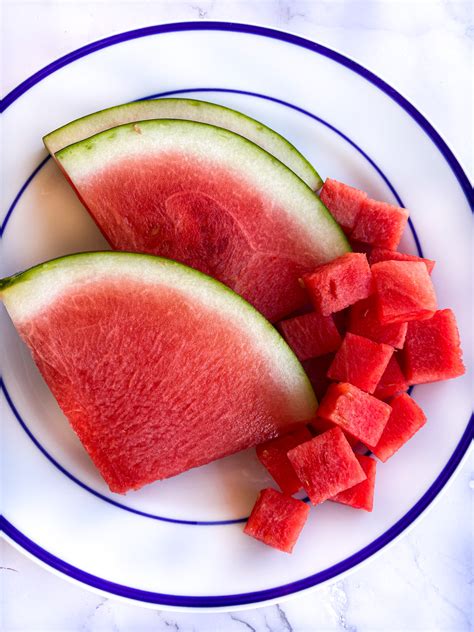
pixel 405 420
pixel 361 496
pixel 392 381
pixel 320 425
pixel 432 349
pixel 404 291
pixel 191 110
pixel 158 368
pixel 358 413
pixel 316 369
pixel 344 202
pixel 379 224
pixel 382 254
pixel 272 455
pixel 326 465
pixel 360 361
pixel 277 520
pixel 340 283
pixel 208 198
pixel 311 335
pixel 363 320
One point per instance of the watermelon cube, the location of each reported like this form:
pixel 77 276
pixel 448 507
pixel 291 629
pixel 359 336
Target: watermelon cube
pixel 405 420
pixel 360 362
pixel 310 335
pixel 277 520
pixel 342 282
pixel 272 455
pixel 316 370
pixel 432 349
pixel 361 496
pixel 379 224
pixel 363 320
pixel 358 413
pixel 343 202
pixel 320 425
pixel 326 465
pixel 404 291
pixel 392 381
pixel 383 254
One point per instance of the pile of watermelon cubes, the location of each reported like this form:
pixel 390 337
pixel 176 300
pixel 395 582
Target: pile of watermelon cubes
pixel 375 330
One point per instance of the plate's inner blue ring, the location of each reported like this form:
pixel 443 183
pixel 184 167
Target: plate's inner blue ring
pixel 23 424
pixel 274 592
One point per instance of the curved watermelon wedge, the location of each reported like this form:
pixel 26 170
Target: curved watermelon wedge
pixel 158 368
pixel 210 199
pixel 191 110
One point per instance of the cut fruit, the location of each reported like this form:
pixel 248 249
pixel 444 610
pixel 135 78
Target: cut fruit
pixel 360 362
pixel 320 425
pixel 344 202
pixel 277 520
pixel 361 496
pixel 340 283
pixel 158 368
pixel 316 369
pixel 379 224
pixel 405 420
pixel 191 110
pixel 273 456
pixel 364 321
pixel 392 381
pixel 432 349
pixel 361 415
pixel 326 465
pixel 208 198
pixel 382 254
pixel 404 291
pixel 311 335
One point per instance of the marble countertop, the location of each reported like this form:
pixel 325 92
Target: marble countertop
pixel 424 49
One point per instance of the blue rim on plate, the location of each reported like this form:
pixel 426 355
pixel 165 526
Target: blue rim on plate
pixel 463 445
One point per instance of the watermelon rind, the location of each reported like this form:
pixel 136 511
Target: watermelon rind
pixel 186 109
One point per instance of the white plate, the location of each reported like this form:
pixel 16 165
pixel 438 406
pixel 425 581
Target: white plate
pixel 179 543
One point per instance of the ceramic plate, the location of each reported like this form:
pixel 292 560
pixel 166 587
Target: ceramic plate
pixel 179 543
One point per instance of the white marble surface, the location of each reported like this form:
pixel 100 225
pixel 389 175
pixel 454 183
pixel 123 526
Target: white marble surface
pixel 424 49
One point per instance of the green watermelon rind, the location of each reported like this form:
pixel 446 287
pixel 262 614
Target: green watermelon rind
pixel 275 341
pixel 183 109
pixel 310 213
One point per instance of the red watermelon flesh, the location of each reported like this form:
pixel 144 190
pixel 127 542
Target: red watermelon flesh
pixel 360 362
pixel 405 420
pixel 310 335
pixel 363 320
pixel 158 368
pixel 392 381
pixel 361 496
pixel 404 291
pixel 432 349
pixel 273 456
pixel 210 199
pixel 383 254
pixel 277 520
pixel 326 465
pixel 316 369
pixel 358 413
pixel 380 224
pixel 340 283
pixel 344 202
pixel 320 425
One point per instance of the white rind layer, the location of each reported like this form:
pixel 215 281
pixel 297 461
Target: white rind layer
pixel 185 109
pixel 28 294
pixel 200 142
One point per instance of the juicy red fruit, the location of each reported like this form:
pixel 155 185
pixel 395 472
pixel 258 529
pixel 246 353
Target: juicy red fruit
pixel 310 335
pixel 326 465
pixel 277 520
pixel 316 369
pixel 392 381
pixel 363 320
pixel 343 202
pixel 379 224
pixel 273 456
pixel 383 254
pixel 360 362
pixel 361 496
pixel 432 349
pixel 340 283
